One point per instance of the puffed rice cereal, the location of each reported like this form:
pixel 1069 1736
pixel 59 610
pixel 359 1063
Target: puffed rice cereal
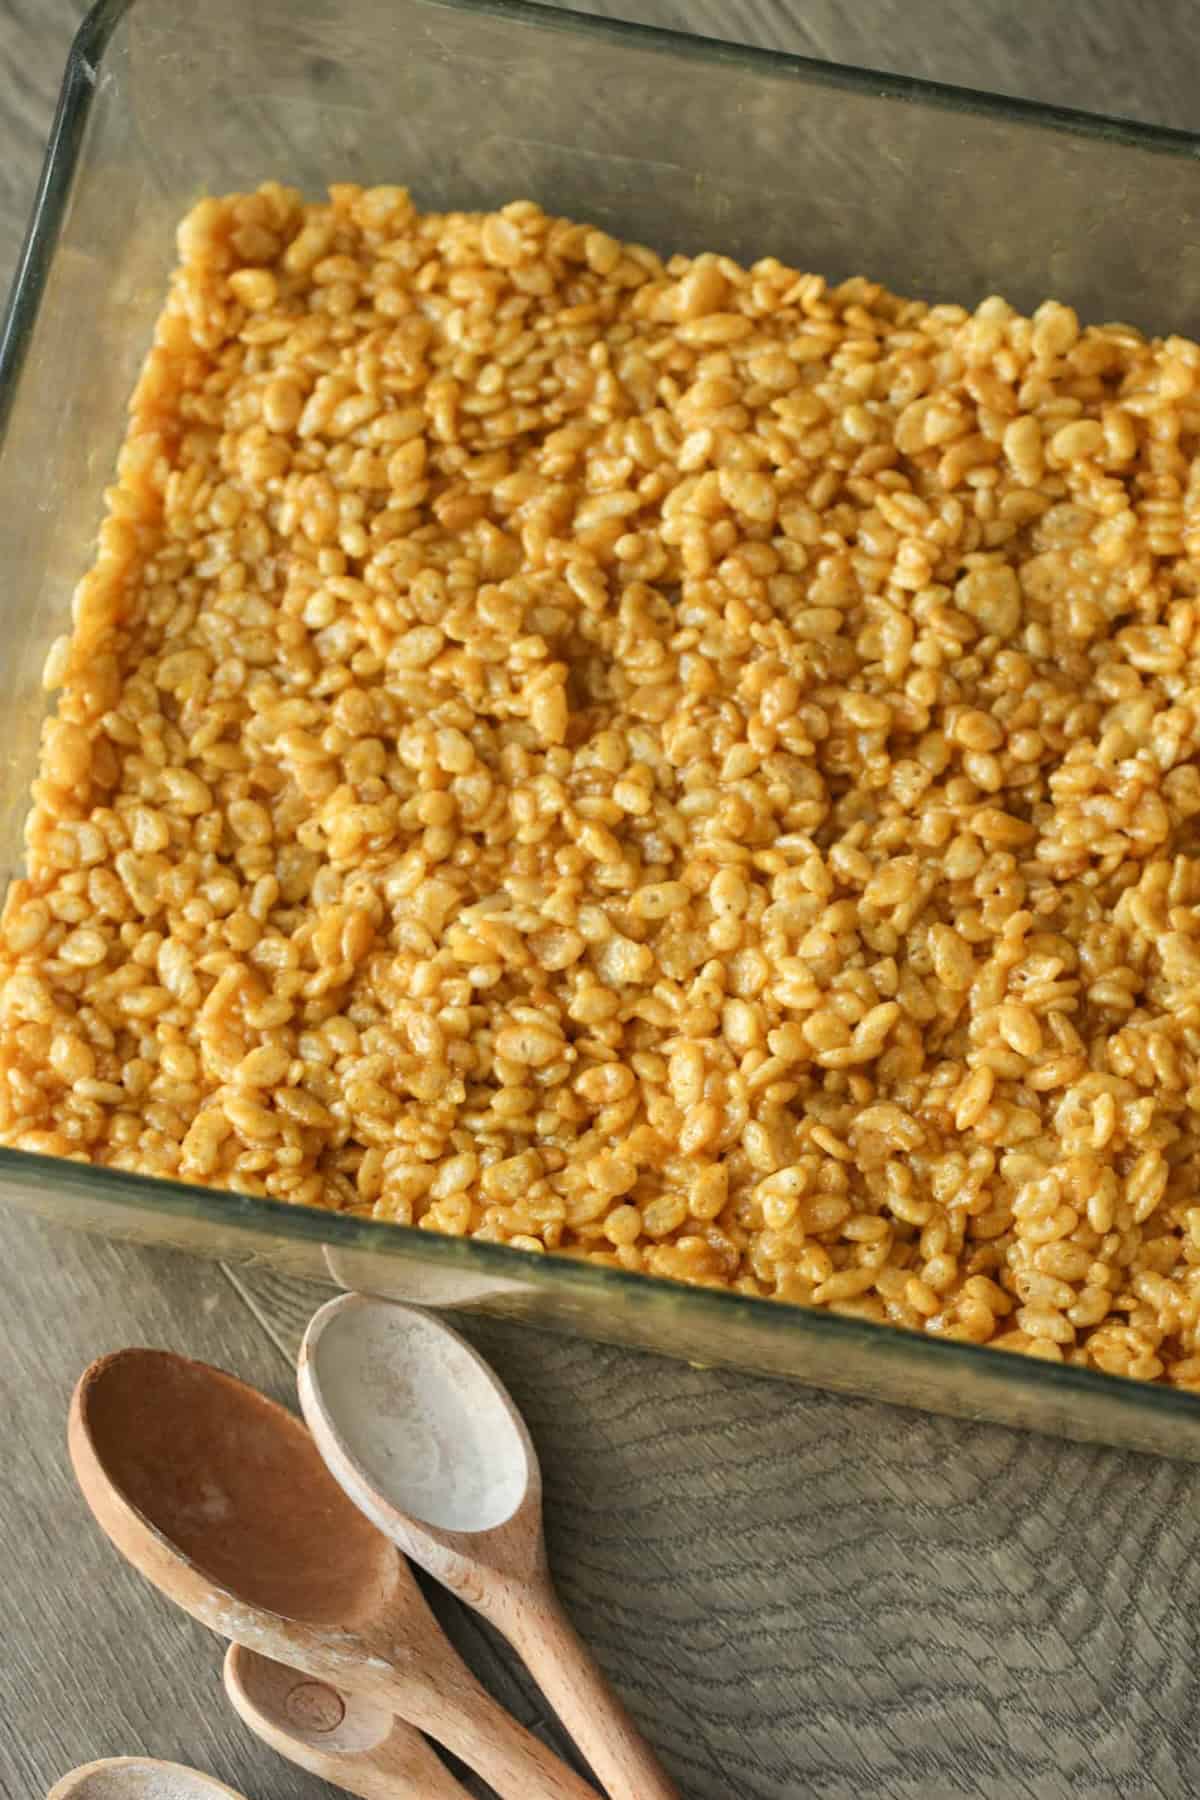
pixel 659 761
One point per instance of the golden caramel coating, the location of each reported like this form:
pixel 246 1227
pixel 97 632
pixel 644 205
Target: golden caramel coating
pixel 665 762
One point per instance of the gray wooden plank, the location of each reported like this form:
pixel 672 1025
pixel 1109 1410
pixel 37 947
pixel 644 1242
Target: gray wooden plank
pixel 804 1595
pixel 1107 56
pixel 34 35
pixel 799 1595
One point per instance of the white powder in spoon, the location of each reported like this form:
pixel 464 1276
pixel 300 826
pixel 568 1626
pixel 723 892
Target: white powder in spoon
pixel 418 1413
pixel 144 1779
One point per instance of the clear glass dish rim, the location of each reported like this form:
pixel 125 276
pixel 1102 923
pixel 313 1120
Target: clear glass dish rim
pixel 139 1194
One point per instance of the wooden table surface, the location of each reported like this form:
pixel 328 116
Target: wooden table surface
pixel 797 1595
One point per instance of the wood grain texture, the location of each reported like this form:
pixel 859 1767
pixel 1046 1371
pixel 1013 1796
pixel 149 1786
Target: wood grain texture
pixel 796 1595
pixel 1109 56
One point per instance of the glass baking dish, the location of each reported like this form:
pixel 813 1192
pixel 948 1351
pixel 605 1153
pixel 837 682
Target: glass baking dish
pixel 678 142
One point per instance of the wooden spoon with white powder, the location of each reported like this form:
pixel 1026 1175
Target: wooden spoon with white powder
pixel 139 1778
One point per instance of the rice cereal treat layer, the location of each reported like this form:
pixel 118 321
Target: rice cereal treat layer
pixel 664 762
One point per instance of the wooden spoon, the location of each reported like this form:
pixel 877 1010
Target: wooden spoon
pixel 221 1499
pixel 139 1778
pixel 352 1743
pixel 428 1444
pixel 414 1283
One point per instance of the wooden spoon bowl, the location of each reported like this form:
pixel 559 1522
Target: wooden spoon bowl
pixel 204 1471
pixel 139 1778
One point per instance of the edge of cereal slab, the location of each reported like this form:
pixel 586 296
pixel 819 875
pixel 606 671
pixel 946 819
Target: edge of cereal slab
pixel 1146 1413
pixel 87 50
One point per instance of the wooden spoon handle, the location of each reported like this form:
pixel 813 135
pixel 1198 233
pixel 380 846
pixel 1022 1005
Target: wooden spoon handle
pixel 478 1730
pixel 407 1768
pixel 402 1767
pixel 377 1784
pixel 576 1687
